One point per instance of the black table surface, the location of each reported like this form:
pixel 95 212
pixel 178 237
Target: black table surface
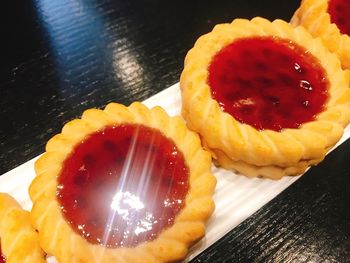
pixel 60 57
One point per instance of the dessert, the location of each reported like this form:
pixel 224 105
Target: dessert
pixel 126 184
pixel 267 99
pixel 18 240
pixel 327 19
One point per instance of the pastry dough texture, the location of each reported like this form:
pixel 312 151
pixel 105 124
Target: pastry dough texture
pixel 241 147
pixel 56 236
pixel 313 15
pixel 19 240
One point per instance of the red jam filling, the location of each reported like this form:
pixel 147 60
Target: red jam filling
pixel 339 12
pixel 268 83
pixel 123 185
pixel 2 257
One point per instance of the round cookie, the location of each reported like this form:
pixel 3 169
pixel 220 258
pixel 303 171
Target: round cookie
pixel 327 19
pixel 123 184
pixel 19 242
pixel 267 99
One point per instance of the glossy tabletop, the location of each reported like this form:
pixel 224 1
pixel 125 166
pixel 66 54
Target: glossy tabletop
pixel 60 57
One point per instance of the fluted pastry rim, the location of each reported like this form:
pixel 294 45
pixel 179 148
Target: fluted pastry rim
pixel 221 133
pixel 314 16
pixel 56 236
pixel 19 240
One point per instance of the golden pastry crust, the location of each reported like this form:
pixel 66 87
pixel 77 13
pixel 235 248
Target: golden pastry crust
pixel 235 145
pixel 19 240
pixel 313 15
pixel 56 236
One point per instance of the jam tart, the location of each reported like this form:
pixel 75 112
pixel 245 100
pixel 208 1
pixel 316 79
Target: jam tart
pixel 267 99
pixel 123 184
pixel 327 19
pixel 19 242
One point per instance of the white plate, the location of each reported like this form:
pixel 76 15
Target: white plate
pixel 236 198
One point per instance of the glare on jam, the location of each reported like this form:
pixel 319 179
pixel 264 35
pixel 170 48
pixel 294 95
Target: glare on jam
pixel 123 185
